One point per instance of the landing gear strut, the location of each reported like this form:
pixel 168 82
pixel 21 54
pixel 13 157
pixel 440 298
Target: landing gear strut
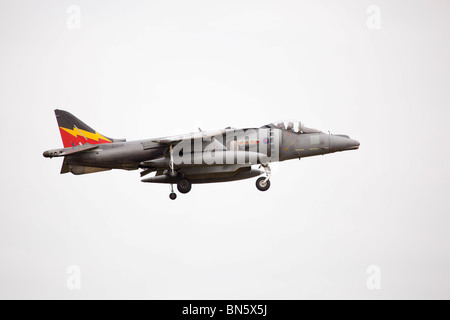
pixel 172 172
pixel 268 171
pixel 263 184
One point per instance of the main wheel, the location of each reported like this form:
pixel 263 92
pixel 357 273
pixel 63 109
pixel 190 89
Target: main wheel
pixel 184 186
pixel 173 196
pixel 261 185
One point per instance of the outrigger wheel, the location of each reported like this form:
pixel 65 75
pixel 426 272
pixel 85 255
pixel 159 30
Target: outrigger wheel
pixel 262 184
pixel 184 186
pixel 172 194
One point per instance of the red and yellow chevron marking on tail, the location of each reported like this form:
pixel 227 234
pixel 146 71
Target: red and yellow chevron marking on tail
pixel 74 137
pixel 75 132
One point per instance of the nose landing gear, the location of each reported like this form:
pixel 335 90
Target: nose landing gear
pixel 263 184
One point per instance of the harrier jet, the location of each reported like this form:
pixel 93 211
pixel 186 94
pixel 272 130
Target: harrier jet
pixel 201 157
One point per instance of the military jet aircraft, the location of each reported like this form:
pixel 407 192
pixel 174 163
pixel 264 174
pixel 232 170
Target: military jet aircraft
pixel 201 157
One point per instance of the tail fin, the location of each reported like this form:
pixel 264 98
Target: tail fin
pixel 75 132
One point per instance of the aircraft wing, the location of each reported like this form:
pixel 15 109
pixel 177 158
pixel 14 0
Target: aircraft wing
pixel 197 135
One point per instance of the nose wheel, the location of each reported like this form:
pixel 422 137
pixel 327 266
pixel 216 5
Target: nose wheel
pixel 263 184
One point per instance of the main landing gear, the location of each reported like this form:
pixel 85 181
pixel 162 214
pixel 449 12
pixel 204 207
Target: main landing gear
pixel 263 184
pixel 183 186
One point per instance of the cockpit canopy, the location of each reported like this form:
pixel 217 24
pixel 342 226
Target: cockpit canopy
pixel 293 126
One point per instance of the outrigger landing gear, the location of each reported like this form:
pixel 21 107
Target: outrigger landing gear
pixel 172 173
pixel 263 184
pixel 172 194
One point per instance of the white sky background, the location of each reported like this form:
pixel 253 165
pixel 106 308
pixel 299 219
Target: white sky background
pixel 142 69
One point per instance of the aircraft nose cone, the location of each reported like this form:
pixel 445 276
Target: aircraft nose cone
pixel 354 144
pixel 343 142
